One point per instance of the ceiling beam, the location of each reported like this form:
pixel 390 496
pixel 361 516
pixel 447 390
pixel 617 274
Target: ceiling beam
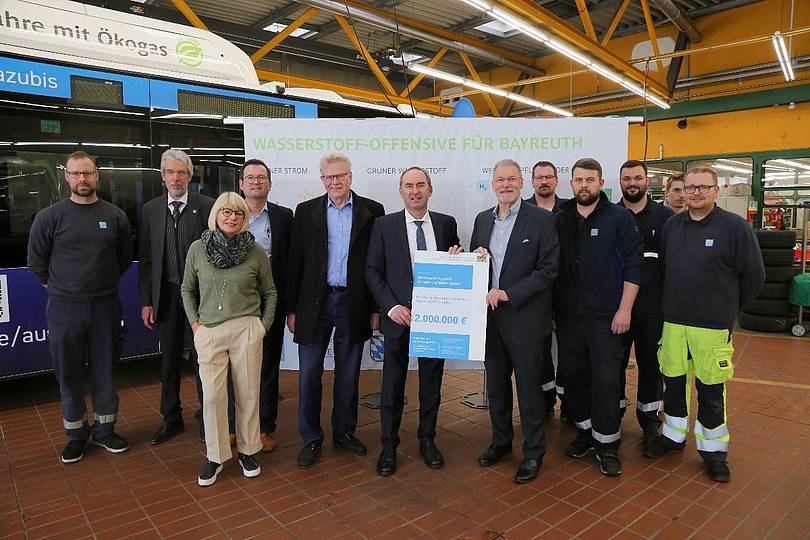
pixel 189 14
pixel 278 15
pixel 474 74
pixel 419 76
pixel 586 19
pixel 372 65
pixel 571 35
pixel 281 36
pixel 351 91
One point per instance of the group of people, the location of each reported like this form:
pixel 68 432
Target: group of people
pixel 665 280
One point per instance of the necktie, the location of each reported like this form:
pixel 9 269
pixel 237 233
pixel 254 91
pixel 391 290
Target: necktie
pixel 176 210
pixel 421 243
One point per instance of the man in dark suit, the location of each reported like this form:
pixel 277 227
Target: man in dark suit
pixel 327 290
pixel 523 244
pixel 544 184
pixel 389 273
pixel 169 225
pixel 271 224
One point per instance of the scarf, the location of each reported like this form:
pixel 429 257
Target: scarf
pixel 224 253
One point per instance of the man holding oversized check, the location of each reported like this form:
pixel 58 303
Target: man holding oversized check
pixel 395 240
pixel 523 243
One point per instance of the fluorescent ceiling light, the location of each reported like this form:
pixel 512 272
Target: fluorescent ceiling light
pixel 562 48
pixel 497 28
pixel 278 27
pixel 486 88
pixel 729 168
pixel 783 56
pixel 791 163
pixel 406 58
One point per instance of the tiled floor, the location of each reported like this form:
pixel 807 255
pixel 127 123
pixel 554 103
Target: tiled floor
pixel 151 492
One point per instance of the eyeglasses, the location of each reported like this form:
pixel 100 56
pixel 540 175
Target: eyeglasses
pixel 509 179
pixel 227 212
pixel 545 177
pixel 331 177
pixel 258 179
pixel 74 175
pixel 172 172
pixel 703 189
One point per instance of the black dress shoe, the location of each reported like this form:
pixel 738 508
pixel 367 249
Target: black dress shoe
pixel 166 431
pixel 351 443
pixel 308 455
pixel 431 454
pixel 527 471
pixel 387 462
pixel 493 455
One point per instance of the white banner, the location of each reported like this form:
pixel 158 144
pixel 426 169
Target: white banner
pixel 459 154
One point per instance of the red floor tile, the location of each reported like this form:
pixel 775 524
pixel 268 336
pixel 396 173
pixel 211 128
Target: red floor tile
pixel 151 492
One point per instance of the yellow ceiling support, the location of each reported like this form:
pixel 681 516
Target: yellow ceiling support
pixel 281 36
pixel 351 91
pixel 189 14
pixel 444 32
pixel 645 7
pixel 372 64
pixel 546 19
pixel 615 23
pixel 510 86
pixel 419 76
pixel 586 19
pixel 487 97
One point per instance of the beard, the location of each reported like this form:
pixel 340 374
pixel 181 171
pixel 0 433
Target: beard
pixel 634 197
pixel 586 198
pixel 83 191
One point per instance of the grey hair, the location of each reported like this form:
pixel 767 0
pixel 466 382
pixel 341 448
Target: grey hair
pixel 328 159
pixel 508 163
pixel 179 155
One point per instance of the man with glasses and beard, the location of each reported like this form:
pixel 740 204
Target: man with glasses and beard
pixel 646 322
pixel 544 184
pixel 712 269
pixel 78 249
pixel 601 267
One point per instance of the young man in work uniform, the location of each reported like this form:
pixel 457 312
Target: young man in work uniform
pixel 712 269
pixel 601 266
pixel 646 323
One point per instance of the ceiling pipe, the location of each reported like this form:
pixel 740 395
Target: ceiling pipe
pixel 379 21
pixel 679 19
pixel 736 74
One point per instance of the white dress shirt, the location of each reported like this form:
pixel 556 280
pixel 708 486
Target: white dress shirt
pixel 410 229
pixel 183 199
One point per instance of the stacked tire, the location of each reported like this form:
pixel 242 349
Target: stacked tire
pixel 771 311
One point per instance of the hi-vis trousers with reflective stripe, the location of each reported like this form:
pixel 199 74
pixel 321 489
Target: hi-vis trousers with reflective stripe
pixel 85 341
pixel 706 353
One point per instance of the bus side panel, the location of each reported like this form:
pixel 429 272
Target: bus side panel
pixel 23 329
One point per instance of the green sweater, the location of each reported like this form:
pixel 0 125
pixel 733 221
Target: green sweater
pixel 243 290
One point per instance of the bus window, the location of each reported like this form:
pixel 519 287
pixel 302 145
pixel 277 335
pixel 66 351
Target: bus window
pixel 658 173
pixel 25 189
pixel 734 176
pixel 786 183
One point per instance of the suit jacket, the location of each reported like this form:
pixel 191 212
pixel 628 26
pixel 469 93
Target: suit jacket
pixel 389 269
pixel 152 239
pixel 529 269
pixel 281 221
pixel 306 272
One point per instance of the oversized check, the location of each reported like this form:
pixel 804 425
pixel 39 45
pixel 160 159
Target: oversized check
pixel 448 308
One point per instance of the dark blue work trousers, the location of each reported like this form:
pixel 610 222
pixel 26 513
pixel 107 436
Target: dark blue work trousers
pixel 85 336
pixel 334 315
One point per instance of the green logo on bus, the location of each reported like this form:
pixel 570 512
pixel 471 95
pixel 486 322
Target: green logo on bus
pixel 189 53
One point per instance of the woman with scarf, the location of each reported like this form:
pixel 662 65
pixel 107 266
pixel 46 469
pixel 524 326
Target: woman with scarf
pixel 229 297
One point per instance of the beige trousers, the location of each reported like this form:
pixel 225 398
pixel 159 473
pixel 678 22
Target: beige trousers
pixel 237 342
